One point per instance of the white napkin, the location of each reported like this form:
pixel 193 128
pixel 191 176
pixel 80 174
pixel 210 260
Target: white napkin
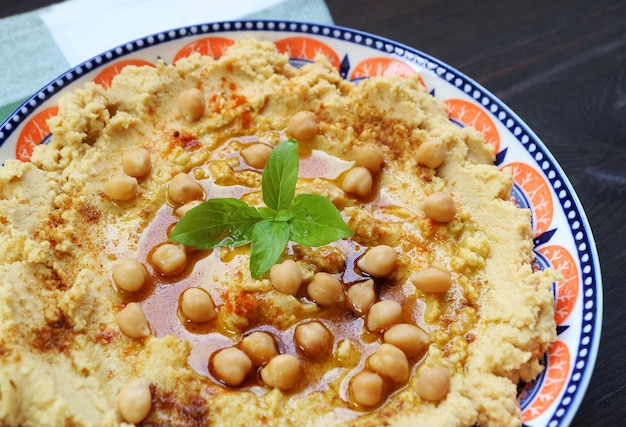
pixel 84 28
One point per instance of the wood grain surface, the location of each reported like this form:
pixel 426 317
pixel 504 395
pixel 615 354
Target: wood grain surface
pixel 561 66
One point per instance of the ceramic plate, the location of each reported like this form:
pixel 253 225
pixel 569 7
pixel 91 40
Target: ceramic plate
pixel 563 238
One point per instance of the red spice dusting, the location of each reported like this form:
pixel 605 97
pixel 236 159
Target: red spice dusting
pixel 104 335
pixel 186 409
pixel 242 304
pixel 189 142
pixel 246 120
pixel 217 108
pixel 239 100
pixel 89 213
pixel 56 336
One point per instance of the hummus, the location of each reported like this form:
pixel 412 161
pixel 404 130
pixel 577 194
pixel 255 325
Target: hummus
pixel 67 356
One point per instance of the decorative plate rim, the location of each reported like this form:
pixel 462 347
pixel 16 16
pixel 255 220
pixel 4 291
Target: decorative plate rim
pixel 577 223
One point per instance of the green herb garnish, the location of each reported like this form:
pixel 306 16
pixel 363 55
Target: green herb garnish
pixel 308 219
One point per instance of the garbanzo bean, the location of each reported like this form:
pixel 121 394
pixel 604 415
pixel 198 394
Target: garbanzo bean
pixel 136 162
pixel 325 289
pixel 129 274
pixel 282 372
pixel 433 384
pixel 378 261
pixel 260 347
pixel 303 125
pixel 191 104
pixel 121 187
pixel 431 153
pixel 314 339
pixel 367 388
pixel 183 188
pixel 361 296
pixel 369 156
pixel 197 305
pixel 390 362
pixel 358 181
pixel 439 207
pixel 383 314
pixel 256 155
pixel 169 259
pixel 432 280
pixel 231 366
pixel 286 277
pixel 134 401
pixel 411 339
pixel 182 210
pixel 132 321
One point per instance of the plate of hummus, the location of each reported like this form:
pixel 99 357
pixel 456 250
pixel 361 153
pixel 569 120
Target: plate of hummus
pixel 286 223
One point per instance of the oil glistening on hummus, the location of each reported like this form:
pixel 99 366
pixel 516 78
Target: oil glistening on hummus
pixel 308 219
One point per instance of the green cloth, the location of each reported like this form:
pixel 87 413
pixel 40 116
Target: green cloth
pixel 30 59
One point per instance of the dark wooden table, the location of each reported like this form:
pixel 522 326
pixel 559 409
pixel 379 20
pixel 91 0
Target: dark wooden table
pixel 561 66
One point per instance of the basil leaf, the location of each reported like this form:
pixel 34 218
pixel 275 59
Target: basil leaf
pixel 280 176
pixel 269 239
pixel 215 223
pixel 267 213
pixel 284 215
pixel 316 222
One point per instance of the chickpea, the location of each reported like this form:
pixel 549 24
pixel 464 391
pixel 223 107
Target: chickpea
pixel 409 338
pixel 191 104
pixel 431 153
pixel 286 277
pixel 358 181
pixel 325 289
pixel 390 362
pixel 432 280
pixel 433 384
pixel 136 162
pixel 183 188
pixel 231 366
pixel 314 339
pixel 439 207
pixel 282 372
pixel 134 401
pixel 383 314
pixel 361 296
pixel 367 388
pixel 197 305
pixel 132 321
pixel 369 156
pixel 260 347
pixel 169 259
pixel 256 155
pixel 378 261
pixel 129 274
pixel 303 125
pixel 121 187
pixel 182 210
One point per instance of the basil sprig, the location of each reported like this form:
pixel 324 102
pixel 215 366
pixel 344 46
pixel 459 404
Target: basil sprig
pixel 307 219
